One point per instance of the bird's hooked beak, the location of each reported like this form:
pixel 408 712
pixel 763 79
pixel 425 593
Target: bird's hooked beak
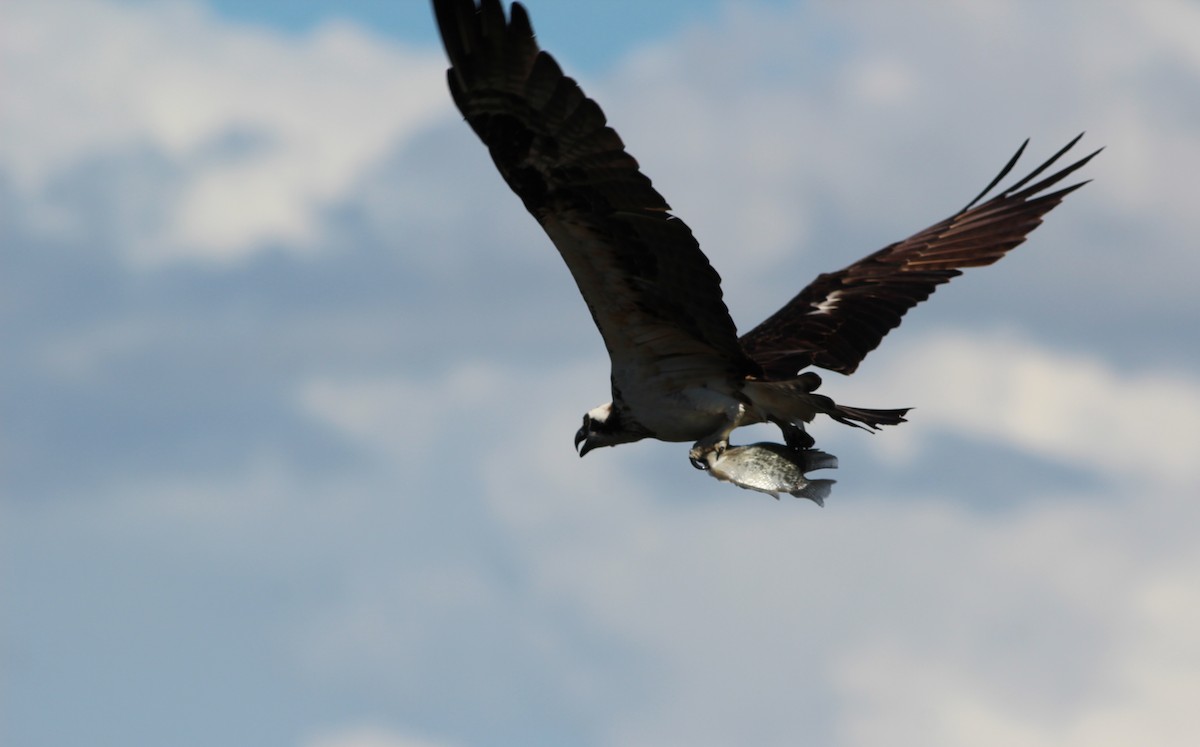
pixel 583 437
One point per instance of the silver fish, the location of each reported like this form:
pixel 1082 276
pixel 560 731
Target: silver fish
pixel 773 469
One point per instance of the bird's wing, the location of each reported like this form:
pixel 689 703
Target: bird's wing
pixel 842 316
pixel 650 289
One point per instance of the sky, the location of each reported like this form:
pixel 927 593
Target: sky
pixel 291 381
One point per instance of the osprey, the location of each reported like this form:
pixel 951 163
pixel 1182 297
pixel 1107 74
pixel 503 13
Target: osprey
pixel 680 372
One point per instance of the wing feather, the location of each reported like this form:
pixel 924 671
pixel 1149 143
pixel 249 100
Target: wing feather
pixel 639 269
pixel 841 316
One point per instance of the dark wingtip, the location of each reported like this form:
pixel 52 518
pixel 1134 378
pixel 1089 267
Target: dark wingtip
pixel 1045 183
pixel 1003 173
pixel 518 21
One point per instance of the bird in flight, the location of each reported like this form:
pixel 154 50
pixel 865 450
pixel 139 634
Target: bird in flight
pixel 680 372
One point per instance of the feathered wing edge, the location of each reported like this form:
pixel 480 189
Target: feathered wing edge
pixel 841 316
pixel 639 268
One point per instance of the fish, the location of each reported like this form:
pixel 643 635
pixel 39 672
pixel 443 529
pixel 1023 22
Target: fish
pixel 773 469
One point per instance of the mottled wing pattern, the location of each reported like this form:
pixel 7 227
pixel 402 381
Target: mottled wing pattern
pixel 650 289
pixel 842 316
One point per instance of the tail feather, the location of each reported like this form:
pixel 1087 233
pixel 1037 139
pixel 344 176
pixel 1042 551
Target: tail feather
pixel 794 401
pixel 867 419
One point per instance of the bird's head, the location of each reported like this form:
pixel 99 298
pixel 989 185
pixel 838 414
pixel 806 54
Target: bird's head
pixel 604 426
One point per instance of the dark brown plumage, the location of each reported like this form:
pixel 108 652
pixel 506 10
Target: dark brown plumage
pixel 679 370
pixel 866 300
pixel 555 150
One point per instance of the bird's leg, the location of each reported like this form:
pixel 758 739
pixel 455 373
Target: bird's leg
pixel 710 446
pixel 795 436
pixel 715 444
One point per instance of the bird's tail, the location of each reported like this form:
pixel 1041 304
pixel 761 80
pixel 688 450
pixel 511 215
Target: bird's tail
pixel 794 401
pixel 861 417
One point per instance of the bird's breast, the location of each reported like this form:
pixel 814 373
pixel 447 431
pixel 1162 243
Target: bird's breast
pixel 679 407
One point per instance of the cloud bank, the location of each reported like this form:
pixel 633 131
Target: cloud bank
pixel 292 382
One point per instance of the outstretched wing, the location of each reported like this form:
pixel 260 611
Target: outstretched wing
pixel 651 291
pixel 842 316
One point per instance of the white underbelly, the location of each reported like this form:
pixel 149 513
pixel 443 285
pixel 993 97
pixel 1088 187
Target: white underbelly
pixel 681 414
pixel 682 423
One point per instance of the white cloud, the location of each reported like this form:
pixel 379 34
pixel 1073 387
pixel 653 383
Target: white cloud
pixel 882 81
pixel 663 606
pixel 1069 407
pixel 908 623
pixel 395 413
pixel 921 622
pixel 924 623
pixel 1143 661
pixel 772 142
pixel 319 110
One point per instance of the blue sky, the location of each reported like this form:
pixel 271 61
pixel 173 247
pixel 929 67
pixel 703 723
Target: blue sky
pixel 291 383
pixel 599 33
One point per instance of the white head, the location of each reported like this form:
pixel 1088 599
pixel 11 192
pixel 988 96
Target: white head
pixel 605 426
